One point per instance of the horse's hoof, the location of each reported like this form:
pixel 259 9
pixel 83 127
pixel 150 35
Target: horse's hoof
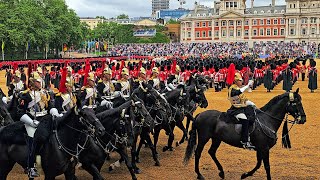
pixel 244 175
pixel 165 148
pixel 170 148
pixel 137 171
pixel 200 177
pixel 221 175
pixel 157 163
pixel 177 144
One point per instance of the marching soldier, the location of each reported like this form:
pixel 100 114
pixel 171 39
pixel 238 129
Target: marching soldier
pixel 313 76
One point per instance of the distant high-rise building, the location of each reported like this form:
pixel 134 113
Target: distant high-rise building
pixel 159 5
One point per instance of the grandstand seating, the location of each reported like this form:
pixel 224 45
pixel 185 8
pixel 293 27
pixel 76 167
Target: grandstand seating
pixel 145 33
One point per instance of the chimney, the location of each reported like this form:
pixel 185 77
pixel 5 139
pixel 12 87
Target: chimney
pixel 252 3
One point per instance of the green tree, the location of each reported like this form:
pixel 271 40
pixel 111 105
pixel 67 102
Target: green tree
pixel 123 16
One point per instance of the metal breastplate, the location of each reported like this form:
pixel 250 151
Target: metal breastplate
pixel 125 88
pixel 237 101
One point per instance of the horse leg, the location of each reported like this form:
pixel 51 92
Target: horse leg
pixel 133 156
pixel 138 151
pixel 70 173
pixel 93 170
pixel 187 126
pixel 199 149
pixel 266 164
pixel 250 173
pixel 180 126
pixel 154 155
pixel 156 138
pixel 5 169
pixel 170 139
pixel 212 151
pixel 115 164
pixel 125 157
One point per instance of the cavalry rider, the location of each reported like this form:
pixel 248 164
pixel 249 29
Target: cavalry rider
pixel 70 77
pixel 176 79
pixel 124 85
pixel 65 99
pixel 88 94
pixel 16 85
pixel 105 86
pixel 33 104
pixel 142 78
pixel 154 80
pixel 242 108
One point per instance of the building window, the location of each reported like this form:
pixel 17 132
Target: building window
pixel 223 23
pixel 304 21
pixel 231 4
pixel 227 4
pixel 247 22
pixel 246 32
pixel 216 23
pixel 204 24
pixel 303 31
pixel 197 34
pixel 313 20
pixel 261 32
pixel 238 32
pixel 290 5
pixel 282 32
pixel 292 32
pixel 275 21
pixel 216 33
pixel 204 34
pixel 313 30
pixel 268 22
pixel 292 21
pixel 294 5
pixel 231 33
pixel 238 23
pixel 261 22
pixel 254 22
pixel 254 32
pixel 268 32
pixel 235 4
pixel 275 32
pixel 210 33
pixel 198 24
pixel 283 21
pixel 224 33
pixel 230 23
pixel 209 23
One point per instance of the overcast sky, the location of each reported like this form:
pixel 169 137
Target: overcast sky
pixel 136 8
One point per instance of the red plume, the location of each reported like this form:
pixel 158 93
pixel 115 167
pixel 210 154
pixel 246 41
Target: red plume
pixel 140 65
pixel 122 65
pixel 62 87
pixel 152 64
pixel 86 73
pixel 113 68
pixel 103 65
pixel 174 65
pixel 231 74
pixel 15 67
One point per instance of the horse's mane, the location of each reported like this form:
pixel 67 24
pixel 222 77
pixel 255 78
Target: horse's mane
pixel 273 101
pixel 112 112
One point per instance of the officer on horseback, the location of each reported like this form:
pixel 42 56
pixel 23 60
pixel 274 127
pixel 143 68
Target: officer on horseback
pixel 88 94
pixel 34 104
pixel 241 108
pixel 105 86
pixel 124 85
pixel 175 79
pixel 16 86
pixel 65 99
pixel 154 79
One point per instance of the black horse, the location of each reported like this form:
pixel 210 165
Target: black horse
pixel 67 135
pixel 211 125
pixel 5 117
pixel 119 123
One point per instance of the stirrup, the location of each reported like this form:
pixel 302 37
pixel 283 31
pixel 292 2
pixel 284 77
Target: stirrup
pixel 247 145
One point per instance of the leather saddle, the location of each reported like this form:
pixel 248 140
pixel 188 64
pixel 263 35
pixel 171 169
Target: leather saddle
pixel 231 119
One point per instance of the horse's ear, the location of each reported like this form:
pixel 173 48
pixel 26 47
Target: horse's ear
pixel 297 91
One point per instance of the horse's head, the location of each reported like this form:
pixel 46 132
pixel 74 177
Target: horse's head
pixel 200 97
pixel 295 107
pixel 89 116
pixel 5 117
pixel 139 111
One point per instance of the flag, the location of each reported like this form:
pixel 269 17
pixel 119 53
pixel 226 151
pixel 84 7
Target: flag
pixel 2 45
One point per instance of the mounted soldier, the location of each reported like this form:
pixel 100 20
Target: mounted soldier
pixel 175 79
pixel 241 108
pixel 142 78
pixel 17 85
pixel 154 79
pixel 89 94
pixel 124 84
pixel 34 103
pixel 105 86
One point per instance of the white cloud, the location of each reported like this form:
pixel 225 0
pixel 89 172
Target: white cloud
pixel 134 8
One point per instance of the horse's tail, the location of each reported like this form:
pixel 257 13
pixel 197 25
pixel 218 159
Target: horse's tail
pixel 192 142
pixel 285 136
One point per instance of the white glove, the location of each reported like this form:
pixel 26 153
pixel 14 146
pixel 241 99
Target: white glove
pixel 4 100
pixel 244 88
pixel 171 86
pixel 250 103
pixel 250 83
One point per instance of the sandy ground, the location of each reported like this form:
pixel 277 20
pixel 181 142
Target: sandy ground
pixel 300 162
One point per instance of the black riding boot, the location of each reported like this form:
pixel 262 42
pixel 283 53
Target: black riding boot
pixel 245 135
pixel 32 171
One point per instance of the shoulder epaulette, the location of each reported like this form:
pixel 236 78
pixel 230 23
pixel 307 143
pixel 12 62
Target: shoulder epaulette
pixel 100 81
pixel 25 92
pixel 58 94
